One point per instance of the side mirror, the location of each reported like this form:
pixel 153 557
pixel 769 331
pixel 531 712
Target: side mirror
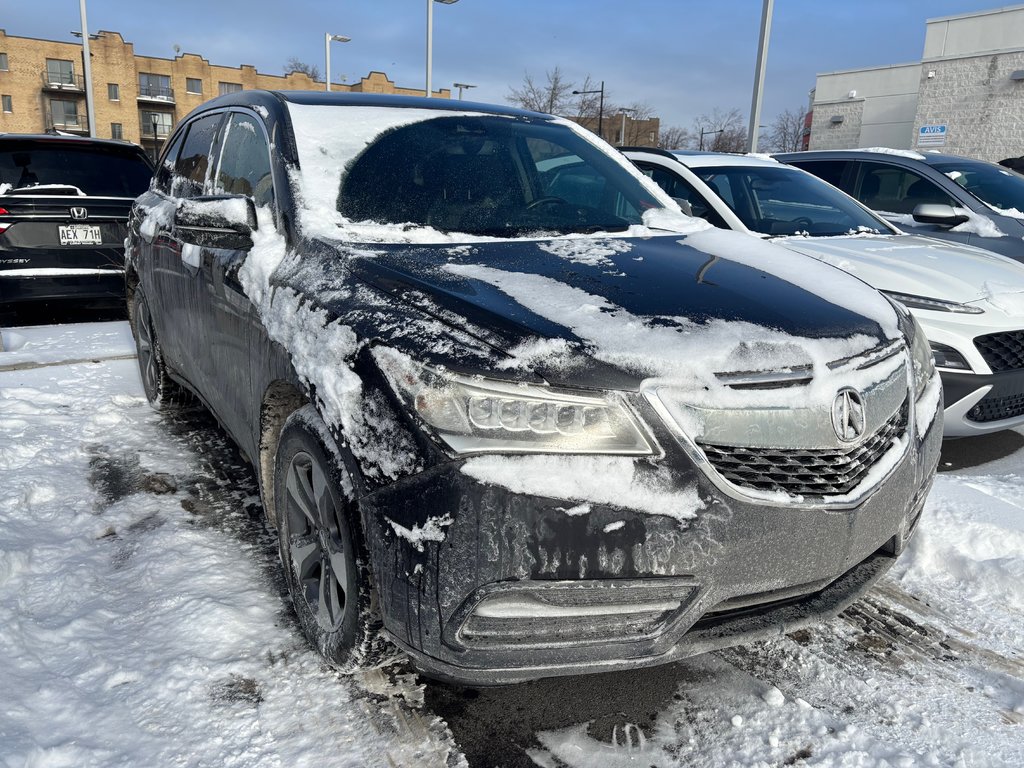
pixel 221 221
pixel 934 213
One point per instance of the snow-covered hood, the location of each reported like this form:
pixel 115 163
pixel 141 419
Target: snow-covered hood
pixel 633 307
pixel 917 265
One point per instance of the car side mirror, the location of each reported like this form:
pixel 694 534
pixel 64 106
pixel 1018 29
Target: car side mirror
pixel 934 213
pixel 217 221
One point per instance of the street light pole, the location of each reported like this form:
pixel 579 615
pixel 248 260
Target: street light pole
pixel 622 131
pixel 87 64
pixel 704 133
pixel 600 108
pixel 461 86
pixel 762 60
pixel 327 55
pixel 430 37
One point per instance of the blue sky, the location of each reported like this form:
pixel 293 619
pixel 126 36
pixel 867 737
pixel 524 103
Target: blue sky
pixel 682 57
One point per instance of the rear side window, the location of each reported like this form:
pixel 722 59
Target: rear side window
pixel 193 164
pixel 95 170
pixel 832 171
pixel 245 161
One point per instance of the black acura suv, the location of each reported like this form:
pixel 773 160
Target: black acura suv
pixel 510 410
pixel 64 205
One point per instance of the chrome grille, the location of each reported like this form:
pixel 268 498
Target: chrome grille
pixel 803 472
pixel 1002 351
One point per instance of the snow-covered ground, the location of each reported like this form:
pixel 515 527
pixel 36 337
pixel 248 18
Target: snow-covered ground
pixel 142 622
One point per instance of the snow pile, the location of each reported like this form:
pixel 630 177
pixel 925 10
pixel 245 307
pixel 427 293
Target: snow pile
pixel 140 620
pixel 908 153
pixel 586 250
pixel 976 224
pixel 48 345
pixel 610 480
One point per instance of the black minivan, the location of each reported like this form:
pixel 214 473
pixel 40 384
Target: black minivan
pixel 64 205
pixel 512 411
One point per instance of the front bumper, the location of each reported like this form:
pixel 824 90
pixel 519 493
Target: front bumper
pixel 738 571
pixel 979 404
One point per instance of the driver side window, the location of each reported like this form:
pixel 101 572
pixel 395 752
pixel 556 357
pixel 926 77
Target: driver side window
pixel 678 187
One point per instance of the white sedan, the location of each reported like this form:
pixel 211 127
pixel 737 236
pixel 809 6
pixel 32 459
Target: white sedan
pixel 969 301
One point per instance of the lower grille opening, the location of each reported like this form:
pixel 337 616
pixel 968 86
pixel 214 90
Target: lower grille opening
pixel 559 614
pixel 997 408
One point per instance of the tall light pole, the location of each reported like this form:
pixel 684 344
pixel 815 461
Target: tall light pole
pixel 762 60
pixel 430 37
pixel 327 54
pixel 600 108
pixel 461 86
pixel 622 131
pixel 87 64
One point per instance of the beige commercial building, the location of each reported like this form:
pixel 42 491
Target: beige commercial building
pixel 965 96
pixel 136 98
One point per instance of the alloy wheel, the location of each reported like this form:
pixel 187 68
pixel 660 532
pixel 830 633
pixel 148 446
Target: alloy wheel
pixel 315 548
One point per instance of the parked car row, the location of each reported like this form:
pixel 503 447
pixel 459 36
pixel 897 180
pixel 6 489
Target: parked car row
pixel 969 301
pixel 515 414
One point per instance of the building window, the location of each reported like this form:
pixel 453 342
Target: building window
pixel 7 103
pixel 116 131
pixel 3 62
pixel 193 85
pixel 113 92
pixel 64 114
pixel 156 124
pixel 60 72
pixel 155 86
pixel 224 88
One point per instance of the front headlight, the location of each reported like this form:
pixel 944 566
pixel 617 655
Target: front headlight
pixel 920 359
pixel 477 415
pixel 936 305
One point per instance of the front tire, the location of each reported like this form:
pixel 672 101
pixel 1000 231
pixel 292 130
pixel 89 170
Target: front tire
pixel 321 548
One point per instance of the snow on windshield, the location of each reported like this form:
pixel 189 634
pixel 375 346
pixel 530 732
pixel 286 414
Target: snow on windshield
pixel 450 182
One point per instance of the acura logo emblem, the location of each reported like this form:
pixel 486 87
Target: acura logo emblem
pixel 79 214
pixel 848 415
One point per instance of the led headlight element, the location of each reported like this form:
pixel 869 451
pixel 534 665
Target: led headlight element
pixel 947 357
pixel 936 305
pixel 474 414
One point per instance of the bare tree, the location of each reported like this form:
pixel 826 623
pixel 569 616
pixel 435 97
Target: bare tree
pixel 294 64
pixel 675 137
pixel 553 96
pixel 785 134
pixel 721 131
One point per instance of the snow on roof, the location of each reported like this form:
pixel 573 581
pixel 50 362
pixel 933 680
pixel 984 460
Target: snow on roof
pixel 908 153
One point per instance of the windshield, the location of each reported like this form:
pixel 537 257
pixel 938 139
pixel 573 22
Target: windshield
pixel 493 176
pixel 779 201
pixel 98 171
pixel 999 187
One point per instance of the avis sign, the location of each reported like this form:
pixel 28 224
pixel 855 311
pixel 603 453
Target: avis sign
pixel 931 136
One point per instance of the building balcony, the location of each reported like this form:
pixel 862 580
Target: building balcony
pixel 67 123
pixel 153 93
pixel 63 81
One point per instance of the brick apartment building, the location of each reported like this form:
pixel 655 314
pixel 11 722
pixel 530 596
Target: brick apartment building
pixel 136 98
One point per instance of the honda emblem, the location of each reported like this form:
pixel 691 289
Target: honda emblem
pixel 79 214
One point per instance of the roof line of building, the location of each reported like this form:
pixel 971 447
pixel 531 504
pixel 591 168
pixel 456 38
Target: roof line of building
pixel 972 14
pixel 868 69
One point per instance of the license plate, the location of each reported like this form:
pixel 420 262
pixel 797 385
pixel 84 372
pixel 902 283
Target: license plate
pixel 79 235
